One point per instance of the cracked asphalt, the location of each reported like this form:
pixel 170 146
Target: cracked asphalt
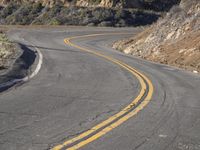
pixel 75 90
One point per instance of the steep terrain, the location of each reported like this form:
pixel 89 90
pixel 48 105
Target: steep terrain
pixel 148 4
pixel 7 50
pixel 116 13
pixel 173 40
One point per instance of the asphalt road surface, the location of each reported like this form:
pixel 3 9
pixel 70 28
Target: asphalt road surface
pixel 83 82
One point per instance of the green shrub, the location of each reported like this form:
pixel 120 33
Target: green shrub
pixel 55 10
pixel 95 2
pixel 35 13
pixel 25 14
pixel 36 8
pixel 8 10
pixel 55 21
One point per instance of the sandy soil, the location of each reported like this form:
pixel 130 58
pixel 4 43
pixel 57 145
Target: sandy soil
pixel 173 40
pixel 7 50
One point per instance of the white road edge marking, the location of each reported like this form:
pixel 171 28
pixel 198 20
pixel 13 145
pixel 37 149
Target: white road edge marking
pixel 33 74
pixel 39 65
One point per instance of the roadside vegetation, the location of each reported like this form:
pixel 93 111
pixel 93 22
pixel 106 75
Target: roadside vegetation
pixel 58 14
pixel 7 49
pixel 20 14
pixel 116 13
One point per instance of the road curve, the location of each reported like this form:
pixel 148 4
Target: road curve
pixel 77 90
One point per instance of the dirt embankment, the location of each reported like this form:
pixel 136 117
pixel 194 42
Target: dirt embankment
pixel 173 40
pixel 116 13
pixel 158 5
pixel 37 14
pixel 7 50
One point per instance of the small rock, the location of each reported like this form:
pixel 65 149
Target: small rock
pixel 127 51
pixel 187 28
pixel 170 35
pixel 182 50
pixel 106 23
pixel 162 136
pixel 194 71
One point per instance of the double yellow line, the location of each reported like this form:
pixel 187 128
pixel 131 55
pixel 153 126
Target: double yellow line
pixel 114 121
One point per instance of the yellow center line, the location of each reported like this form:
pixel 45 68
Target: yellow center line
pixel 142 78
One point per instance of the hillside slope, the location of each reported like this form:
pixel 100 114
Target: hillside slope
pixel 29 14
pixel 71 13
pixel 7 50
pixel 147 4
pixel 118 13
pixel 173 40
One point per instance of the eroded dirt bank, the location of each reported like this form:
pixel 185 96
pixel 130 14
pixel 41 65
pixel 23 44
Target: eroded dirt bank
pixel 173 40
pixel 7 50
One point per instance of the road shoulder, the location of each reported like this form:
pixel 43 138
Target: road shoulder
pixel 18 66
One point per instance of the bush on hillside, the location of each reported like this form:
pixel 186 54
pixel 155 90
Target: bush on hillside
pixel 35 13
pixel 159 5
pixel 8 10
pixel 95 2
pixel 55 21
pixel 25 14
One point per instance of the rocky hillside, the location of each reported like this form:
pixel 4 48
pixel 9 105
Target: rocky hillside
pixel 7 50
pixel 173 40
pixel 56 13
pixel 36 14
pixel 147 4
pixel 116 13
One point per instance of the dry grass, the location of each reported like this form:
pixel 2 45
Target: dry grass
pixel 7 49
pixel 173 40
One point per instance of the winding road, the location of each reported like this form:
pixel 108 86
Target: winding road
pixel 89 96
